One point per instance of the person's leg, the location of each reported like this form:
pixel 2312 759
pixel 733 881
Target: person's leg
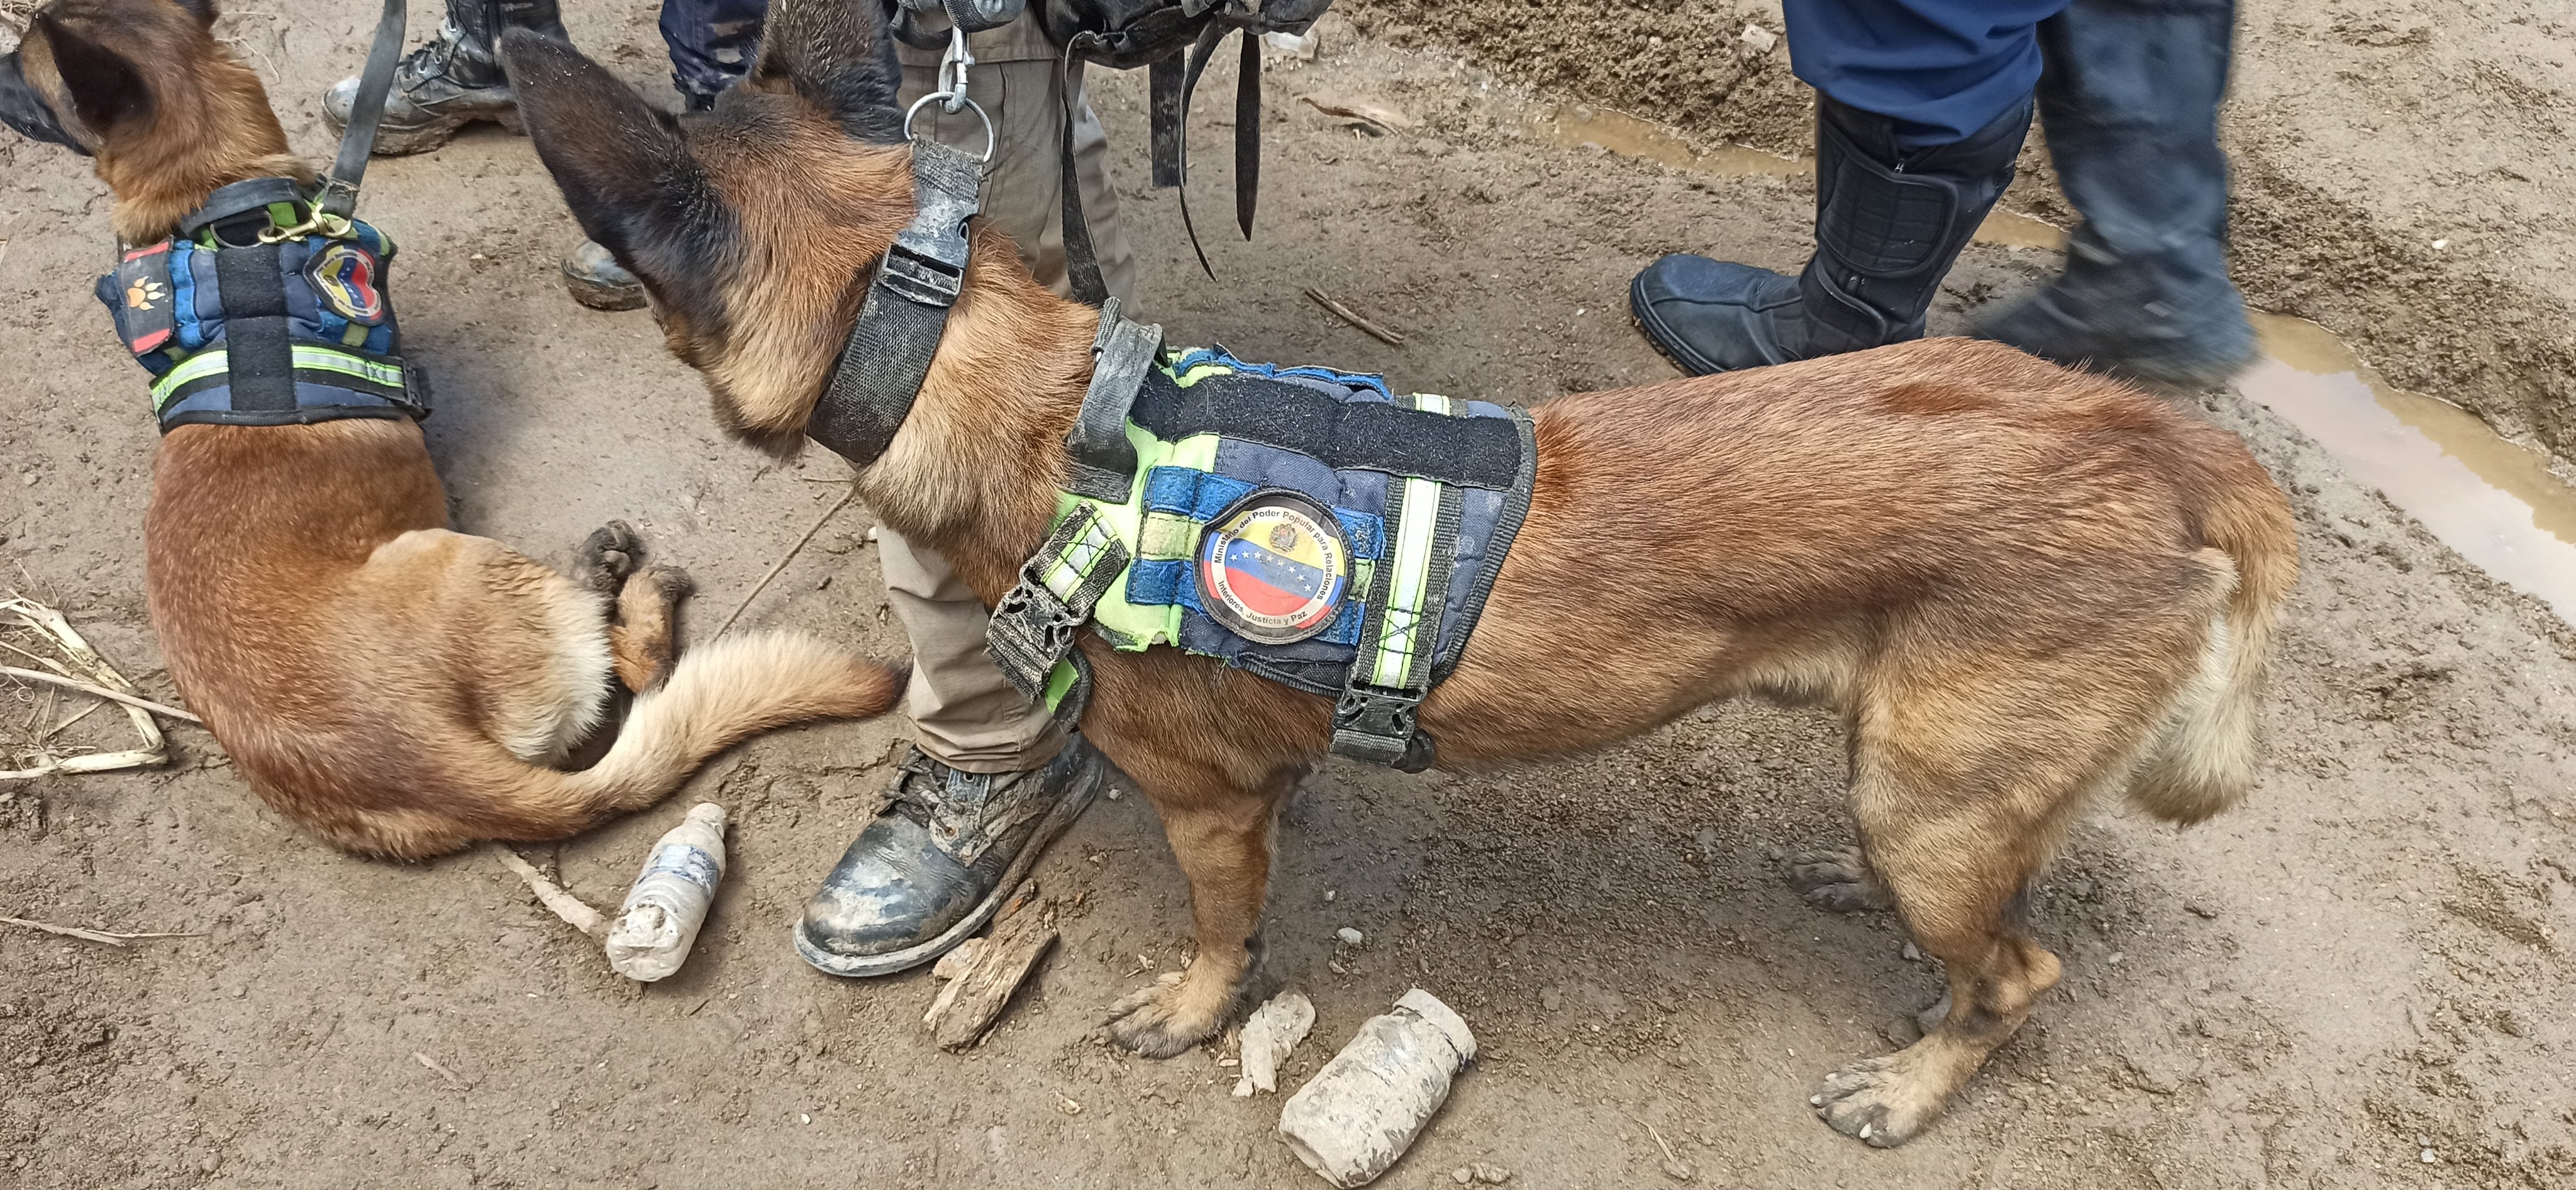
pixel 1922 111
pixel 451 81
pixel 2130 100
pixel 993 779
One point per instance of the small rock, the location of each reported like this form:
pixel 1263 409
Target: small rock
pixel 1679 1171
pixel 1335 967
pixel 2116 958
pixel 1913 953
pixel 1349 936
pixel 2203 912
pixel 1757 40
pixel 1551 999
pixel 2428 1158
pixel 1462 1175
pixel 1328 896
pixel 1070 1107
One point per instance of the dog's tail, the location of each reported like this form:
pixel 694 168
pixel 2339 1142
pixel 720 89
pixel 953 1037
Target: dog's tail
pixel 2203 758
pixel 717 696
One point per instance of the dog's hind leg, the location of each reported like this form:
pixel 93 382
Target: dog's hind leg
pixel 1962 783
pixel 1220 831
pixel 643 641
pixel 1841 880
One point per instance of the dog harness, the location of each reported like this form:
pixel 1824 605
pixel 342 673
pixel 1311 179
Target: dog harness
pixel 263 311
pixel 1309 525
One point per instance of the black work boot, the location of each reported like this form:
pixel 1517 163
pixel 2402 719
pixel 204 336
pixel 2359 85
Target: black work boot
pixel 1888 224
pixel 939 860
pixel 2130 99
pixel 450 82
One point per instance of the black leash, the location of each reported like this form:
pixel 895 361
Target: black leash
pixel 339 197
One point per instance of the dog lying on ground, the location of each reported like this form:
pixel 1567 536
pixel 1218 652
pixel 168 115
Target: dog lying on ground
pixel 398 688
pixel 2025 587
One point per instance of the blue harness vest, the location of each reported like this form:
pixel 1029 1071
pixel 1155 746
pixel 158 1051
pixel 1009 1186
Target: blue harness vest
pixel 1309 525
pixel 263 312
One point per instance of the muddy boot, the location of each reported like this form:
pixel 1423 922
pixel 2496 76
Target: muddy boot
pixel 1888 224
pixel 939 860
pixel 452 81
pixel 596 280
pixel 2130 101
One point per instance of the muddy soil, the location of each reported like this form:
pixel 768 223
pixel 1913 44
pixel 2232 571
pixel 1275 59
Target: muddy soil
pixel 2403 170
pixel 2359 979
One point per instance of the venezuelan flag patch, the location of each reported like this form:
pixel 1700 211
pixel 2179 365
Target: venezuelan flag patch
pixel 1274 568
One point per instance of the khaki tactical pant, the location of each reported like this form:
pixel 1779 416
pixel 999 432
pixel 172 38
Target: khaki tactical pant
pixel 965 714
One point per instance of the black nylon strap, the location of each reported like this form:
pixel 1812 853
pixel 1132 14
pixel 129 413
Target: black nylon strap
pixel 256 332
pixel 1247 134
pixel 1480 452
pixel 1498 546
pixel 1081 260
pixel 1100 462
pixel 340 190
pixel 1163 111
pixel 1199 55
pixel 888 353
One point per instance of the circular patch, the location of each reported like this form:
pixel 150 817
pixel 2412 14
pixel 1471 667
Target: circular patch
pixel 344 276
pixel 1274 567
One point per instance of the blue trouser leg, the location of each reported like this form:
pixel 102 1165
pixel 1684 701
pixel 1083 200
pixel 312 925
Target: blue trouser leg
pixel 2130 101
pixel 712 43
pixel 1925 106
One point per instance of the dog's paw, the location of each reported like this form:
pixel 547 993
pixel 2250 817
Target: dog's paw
pixel 1839 880
pixel 1883 1101
pixel 1168 1016
pixel 608 555
pixel 674 583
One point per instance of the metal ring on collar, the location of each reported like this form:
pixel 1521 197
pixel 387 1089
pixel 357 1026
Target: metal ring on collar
pixel 971 105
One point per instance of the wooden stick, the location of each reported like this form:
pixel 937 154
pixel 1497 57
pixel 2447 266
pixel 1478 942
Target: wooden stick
pixel 35 675
pixel 1340 311
pixel 792 551
pixel 575 912
pixel 103 936
pixel 970 1004
pixel 431 1064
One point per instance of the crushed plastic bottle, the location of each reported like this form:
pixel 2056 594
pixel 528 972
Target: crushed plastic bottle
pixel 660 919
pixel 1364 1108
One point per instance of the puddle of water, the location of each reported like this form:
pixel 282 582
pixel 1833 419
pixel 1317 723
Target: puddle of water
pixel 2495 502
pixel 1578 125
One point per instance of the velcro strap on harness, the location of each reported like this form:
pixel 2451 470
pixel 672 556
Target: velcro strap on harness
pixel 888 353
pixel 1100 462
pixel 1480 452
pixel 1033 628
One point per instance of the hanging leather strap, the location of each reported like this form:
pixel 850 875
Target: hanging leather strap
pixel 339 196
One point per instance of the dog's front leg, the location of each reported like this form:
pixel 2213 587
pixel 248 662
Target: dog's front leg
pixel 1220 831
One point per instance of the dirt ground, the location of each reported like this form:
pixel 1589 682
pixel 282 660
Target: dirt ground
pixel 2361 978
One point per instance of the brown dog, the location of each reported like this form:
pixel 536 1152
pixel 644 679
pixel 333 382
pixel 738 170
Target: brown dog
pixel 2024 586
pixel 398 688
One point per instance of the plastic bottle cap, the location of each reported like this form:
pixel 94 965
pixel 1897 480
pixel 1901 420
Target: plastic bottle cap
pixel 1427 1006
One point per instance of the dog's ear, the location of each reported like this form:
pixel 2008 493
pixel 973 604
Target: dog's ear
pixel 105 90
pixel 837 55
pixel 625 172
pixel 25 110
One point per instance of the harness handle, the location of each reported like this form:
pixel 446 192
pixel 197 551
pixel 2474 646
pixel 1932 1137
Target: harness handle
pixel 339 197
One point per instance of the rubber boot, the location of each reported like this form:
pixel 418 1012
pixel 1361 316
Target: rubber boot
pixel 450 82
pixel 937 862
pixel 1888 225
pixel 2130 100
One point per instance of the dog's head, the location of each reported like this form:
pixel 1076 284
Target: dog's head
pixel 144 87
pixel 752 226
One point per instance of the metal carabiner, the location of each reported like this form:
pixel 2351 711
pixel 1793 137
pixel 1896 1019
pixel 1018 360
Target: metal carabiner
pixel 953 66
pixel 959 97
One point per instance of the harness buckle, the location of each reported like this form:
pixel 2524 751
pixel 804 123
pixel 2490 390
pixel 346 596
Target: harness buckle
pixel 1379 724
pixel 1031 631
pixel 918 271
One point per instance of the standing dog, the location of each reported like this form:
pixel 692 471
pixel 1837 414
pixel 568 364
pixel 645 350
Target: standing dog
pixel 2024 586
pixel 398 688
